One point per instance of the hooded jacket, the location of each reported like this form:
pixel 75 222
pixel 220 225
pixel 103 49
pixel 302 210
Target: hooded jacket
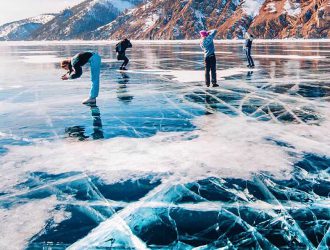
pixel 207 44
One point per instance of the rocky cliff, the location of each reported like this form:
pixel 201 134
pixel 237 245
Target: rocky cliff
pixel 173 19
pixel 183 19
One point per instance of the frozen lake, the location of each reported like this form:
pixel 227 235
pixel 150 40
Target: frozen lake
pixel 162 161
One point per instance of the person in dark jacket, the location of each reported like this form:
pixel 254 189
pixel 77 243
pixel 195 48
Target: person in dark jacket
pixel 120 49
pixel 207 46
pixel 247 47
pixel 74 67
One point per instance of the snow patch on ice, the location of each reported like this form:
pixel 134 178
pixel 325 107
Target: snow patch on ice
pixel 198 75
pixel 185 76
pixel 22 222
pixel 223 146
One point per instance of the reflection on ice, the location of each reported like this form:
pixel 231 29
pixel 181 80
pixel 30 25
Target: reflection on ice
pixel 163 162
pixel 308 50
pixel 188 76
pixel 291 57
pixel 200 53
pixel 79 131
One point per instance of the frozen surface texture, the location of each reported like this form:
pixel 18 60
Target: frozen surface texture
pixel 163 162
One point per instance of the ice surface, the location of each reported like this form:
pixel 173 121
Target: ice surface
pixel 41 59
pixel 163 162
pixel 291 56
pixel 200 52
pixel 25 221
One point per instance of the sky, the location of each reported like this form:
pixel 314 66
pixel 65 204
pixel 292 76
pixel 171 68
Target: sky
pixel 13 10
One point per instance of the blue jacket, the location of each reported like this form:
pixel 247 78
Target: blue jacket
pixel 207 44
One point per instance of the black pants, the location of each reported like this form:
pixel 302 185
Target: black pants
pixel 121 57
pixel 210 65
pixel 249 57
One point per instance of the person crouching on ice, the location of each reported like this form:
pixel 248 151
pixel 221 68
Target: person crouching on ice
pixel 120 49
pixel 207 46
pixel 73 66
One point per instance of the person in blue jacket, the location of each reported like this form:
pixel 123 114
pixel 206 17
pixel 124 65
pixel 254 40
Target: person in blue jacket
pixel 247 47
pixel 74 67
pixel 210 61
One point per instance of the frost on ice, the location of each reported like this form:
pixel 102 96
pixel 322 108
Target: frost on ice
pixel 164 162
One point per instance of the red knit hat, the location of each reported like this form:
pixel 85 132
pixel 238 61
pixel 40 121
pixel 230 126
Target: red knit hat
pixel 203 33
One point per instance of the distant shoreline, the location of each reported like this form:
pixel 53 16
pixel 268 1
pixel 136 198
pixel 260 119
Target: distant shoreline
pixel 291 40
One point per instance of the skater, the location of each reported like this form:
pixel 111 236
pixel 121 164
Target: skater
pixel 120 49
pixel 247 47
pixel 73 66
pixel 207 46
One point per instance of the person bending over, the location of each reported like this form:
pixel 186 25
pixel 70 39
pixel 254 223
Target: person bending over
pixel 74 67
pixel 120 49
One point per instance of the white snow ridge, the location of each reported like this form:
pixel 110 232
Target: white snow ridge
pixel 252 7
pixel 293 9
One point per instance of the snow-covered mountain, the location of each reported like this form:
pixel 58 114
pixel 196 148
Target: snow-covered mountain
pixel 182 19
pixel 21 30
pixel 73 23
pixel 79 21
pixel 165 19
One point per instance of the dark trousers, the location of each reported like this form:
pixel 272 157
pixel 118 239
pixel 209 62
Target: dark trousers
pixel 249 57
pixel 121 57
pixel 210 65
